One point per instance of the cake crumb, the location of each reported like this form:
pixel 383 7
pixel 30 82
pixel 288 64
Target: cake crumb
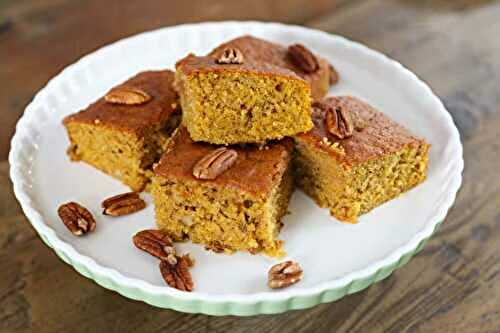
pixel 208 89
pixel 335 146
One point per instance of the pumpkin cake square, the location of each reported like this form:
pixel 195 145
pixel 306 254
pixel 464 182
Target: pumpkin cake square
pixel 318 72
pixel 125 132
pixel 231 100
pixel 240 208
pixel 356 158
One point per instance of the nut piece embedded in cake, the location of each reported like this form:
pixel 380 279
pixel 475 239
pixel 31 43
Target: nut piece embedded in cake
pixel 315 70
pixel 127 95
pixel 214 163
pixel 125 132
pixel 338 120
pixel 357 158
pixel 303 58
pixel 230 56
pixel 246 102
pixel 240 209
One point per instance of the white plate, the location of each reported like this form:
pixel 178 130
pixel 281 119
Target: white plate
pixel 333 255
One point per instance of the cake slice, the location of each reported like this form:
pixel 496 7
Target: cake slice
pixel 125 132
pixel 238 208
pixel 356 158
pixel 232 100
pixel 319 77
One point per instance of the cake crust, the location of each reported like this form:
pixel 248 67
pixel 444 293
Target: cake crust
pixel 256 170
pixel 191 65
pixel 259 50
pixel 375 134
pixel 134 118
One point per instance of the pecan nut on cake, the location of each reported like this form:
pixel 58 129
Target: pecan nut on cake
pixel 124 132
pixel 228 198
pixel 356 158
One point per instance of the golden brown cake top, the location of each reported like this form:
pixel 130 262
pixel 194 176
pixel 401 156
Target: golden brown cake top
pixel 191 65
pixel 256 170
pixel 375 134
pixel 259 50
pixel 160 104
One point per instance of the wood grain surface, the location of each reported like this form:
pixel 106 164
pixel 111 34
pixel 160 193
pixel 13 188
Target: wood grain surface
pixel 453 285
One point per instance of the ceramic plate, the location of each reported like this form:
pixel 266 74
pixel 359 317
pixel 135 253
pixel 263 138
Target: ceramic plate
pixel 337 258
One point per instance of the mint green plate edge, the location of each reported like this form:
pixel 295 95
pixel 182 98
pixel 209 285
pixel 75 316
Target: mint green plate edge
pixel 245 309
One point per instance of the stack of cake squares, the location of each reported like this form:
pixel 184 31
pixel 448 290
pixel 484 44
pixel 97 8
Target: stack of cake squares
pixel 221 143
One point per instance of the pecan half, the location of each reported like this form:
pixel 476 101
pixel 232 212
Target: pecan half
pixel 76 218
pixel 230 56
pixel 154 242
pixel 303 58
pixel 127 96
pixel 338 120
pixel 176 274
pixel 333 75
pixel 284 274
pixel 123 204
pixel 215 163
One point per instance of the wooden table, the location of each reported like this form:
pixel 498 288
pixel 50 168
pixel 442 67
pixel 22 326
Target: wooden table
pixel 453 285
